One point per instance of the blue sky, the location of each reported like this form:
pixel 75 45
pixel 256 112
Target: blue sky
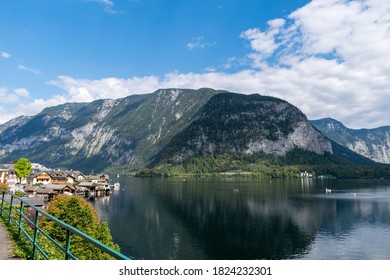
pixel 328 57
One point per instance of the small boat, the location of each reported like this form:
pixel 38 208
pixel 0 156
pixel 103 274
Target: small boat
pixel 117 186
pixel 328 190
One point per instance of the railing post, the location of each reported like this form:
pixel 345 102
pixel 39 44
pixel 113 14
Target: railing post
pixel 34 253
pixel 67 245
pixel 20 219
pixel 2 203
pixel 10 208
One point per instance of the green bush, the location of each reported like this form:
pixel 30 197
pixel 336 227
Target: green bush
pixel 78 213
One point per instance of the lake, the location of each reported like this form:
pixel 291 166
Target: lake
pixel 245 218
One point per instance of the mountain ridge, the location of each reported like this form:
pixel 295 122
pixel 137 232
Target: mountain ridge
pixel 247 124
pixel 371 143
pixel 137 130
pixel 103 132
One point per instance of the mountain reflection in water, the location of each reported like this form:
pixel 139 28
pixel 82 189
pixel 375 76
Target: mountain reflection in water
pixel 239 218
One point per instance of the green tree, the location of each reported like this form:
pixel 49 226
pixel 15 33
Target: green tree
pixel 78 213
pixel 22 168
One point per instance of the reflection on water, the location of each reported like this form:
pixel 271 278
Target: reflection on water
pixel 228 218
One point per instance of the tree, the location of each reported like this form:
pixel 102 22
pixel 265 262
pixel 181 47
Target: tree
pixel 78 213
pixel 22 168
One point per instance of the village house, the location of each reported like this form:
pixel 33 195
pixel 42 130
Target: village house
pixel 47 183
pixel 306 174
pixel 61 188
pixel 87 187
pixel 71 179
pixel 79 177
pixel 47 194
pixel 42 178
pixel 55 177
pixel 59 179
pixel 8 175
pixel 35 191
pixel 99 178
pixel 31 191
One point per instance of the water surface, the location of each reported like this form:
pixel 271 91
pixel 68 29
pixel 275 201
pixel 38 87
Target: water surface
pixel 245 218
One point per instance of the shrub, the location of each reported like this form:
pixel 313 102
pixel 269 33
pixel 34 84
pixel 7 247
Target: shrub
pixel 78 213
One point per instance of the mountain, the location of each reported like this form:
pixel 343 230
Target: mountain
pixel 14 123
pixel 168 124
pixel 247 124
pixel 371 143
pixel 102 133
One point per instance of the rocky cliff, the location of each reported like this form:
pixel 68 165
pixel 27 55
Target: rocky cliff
pixel 371 143
pixel 247 124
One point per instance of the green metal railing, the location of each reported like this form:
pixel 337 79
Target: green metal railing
pixel 16 215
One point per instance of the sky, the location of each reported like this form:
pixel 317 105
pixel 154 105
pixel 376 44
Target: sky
pixel 330 58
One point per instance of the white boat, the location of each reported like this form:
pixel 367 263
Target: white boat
pixel 117 186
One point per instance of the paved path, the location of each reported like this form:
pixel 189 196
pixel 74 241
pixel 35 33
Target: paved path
pixel 5 245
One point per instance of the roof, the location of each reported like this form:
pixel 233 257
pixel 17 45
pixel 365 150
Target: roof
pixel 2 166
pixel 58 178
pixel 40 172
pixel 44 191
pixel 97 177
pixel 30 188
pixel 9 167
pixel 71 175
pixel 77 173
pixel 82 189
pixel 92 177
pixel 58 187
pixel 87 184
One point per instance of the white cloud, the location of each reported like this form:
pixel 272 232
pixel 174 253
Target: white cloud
pixel 229 63
pixel 108 5
pixel 7 97
pixel 29 69
pixel 107 2
pixel 84 90
pixel 264 44
pixel 210 69
pixel 6 115
pixel 330 58
pixel 37 105
pixel 198 43
pixel 22 92
pixel 333 58
pixel 15 107
pixel 5 55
